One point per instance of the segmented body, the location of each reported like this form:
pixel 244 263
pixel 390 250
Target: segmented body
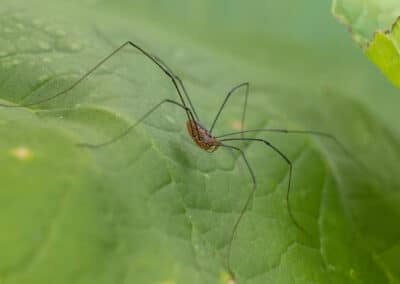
pixel 202 137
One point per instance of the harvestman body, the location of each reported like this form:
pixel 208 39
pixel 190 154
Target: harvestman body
pixel 202 136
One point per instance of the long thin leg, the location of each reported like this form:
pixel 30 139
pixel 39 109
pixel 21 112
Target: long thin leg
pixel 166 70
pixel 180 83
pixel 100 34
pixel 235 226
pixel 280 130
pixel 246 85
pixel 130 128
pixel 284 157
pixel 309 132
pixel 287 131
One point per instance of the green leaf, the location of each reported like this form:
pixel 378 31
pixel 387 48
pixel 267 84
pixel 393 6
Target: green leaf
pixel 374 25
pixel 153 207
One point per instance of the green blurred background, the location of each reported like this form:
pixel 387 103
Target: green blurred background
pixel 155 209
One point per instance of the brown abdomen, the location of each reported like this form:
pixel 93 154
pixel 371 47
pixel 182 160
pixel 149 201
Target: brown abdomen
pixel 202 137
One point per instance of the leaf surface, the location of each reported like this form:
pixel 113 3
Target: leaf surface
pixel 154 208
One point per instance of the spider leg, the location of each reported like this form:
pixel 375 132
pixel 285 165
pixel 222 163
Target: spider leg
pixel 162 66
pixel 245 207
pixel 308 132
pixel 289 163
pixel 246 86
pixel 235 226
pixel 130 128
pixel 180 83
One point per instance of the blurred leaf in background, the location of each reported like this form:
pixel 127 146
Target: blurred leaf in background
pixel 375 26
pixel 153 208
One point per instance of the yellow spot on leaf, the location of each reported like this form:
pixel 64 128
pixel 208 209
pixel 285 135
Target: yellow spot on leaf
pixel 226 278
pixel 22 153
pixel 236 125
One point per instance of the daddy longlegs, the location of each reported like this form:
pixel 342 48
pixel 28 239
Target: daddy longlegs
pixel 202 137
